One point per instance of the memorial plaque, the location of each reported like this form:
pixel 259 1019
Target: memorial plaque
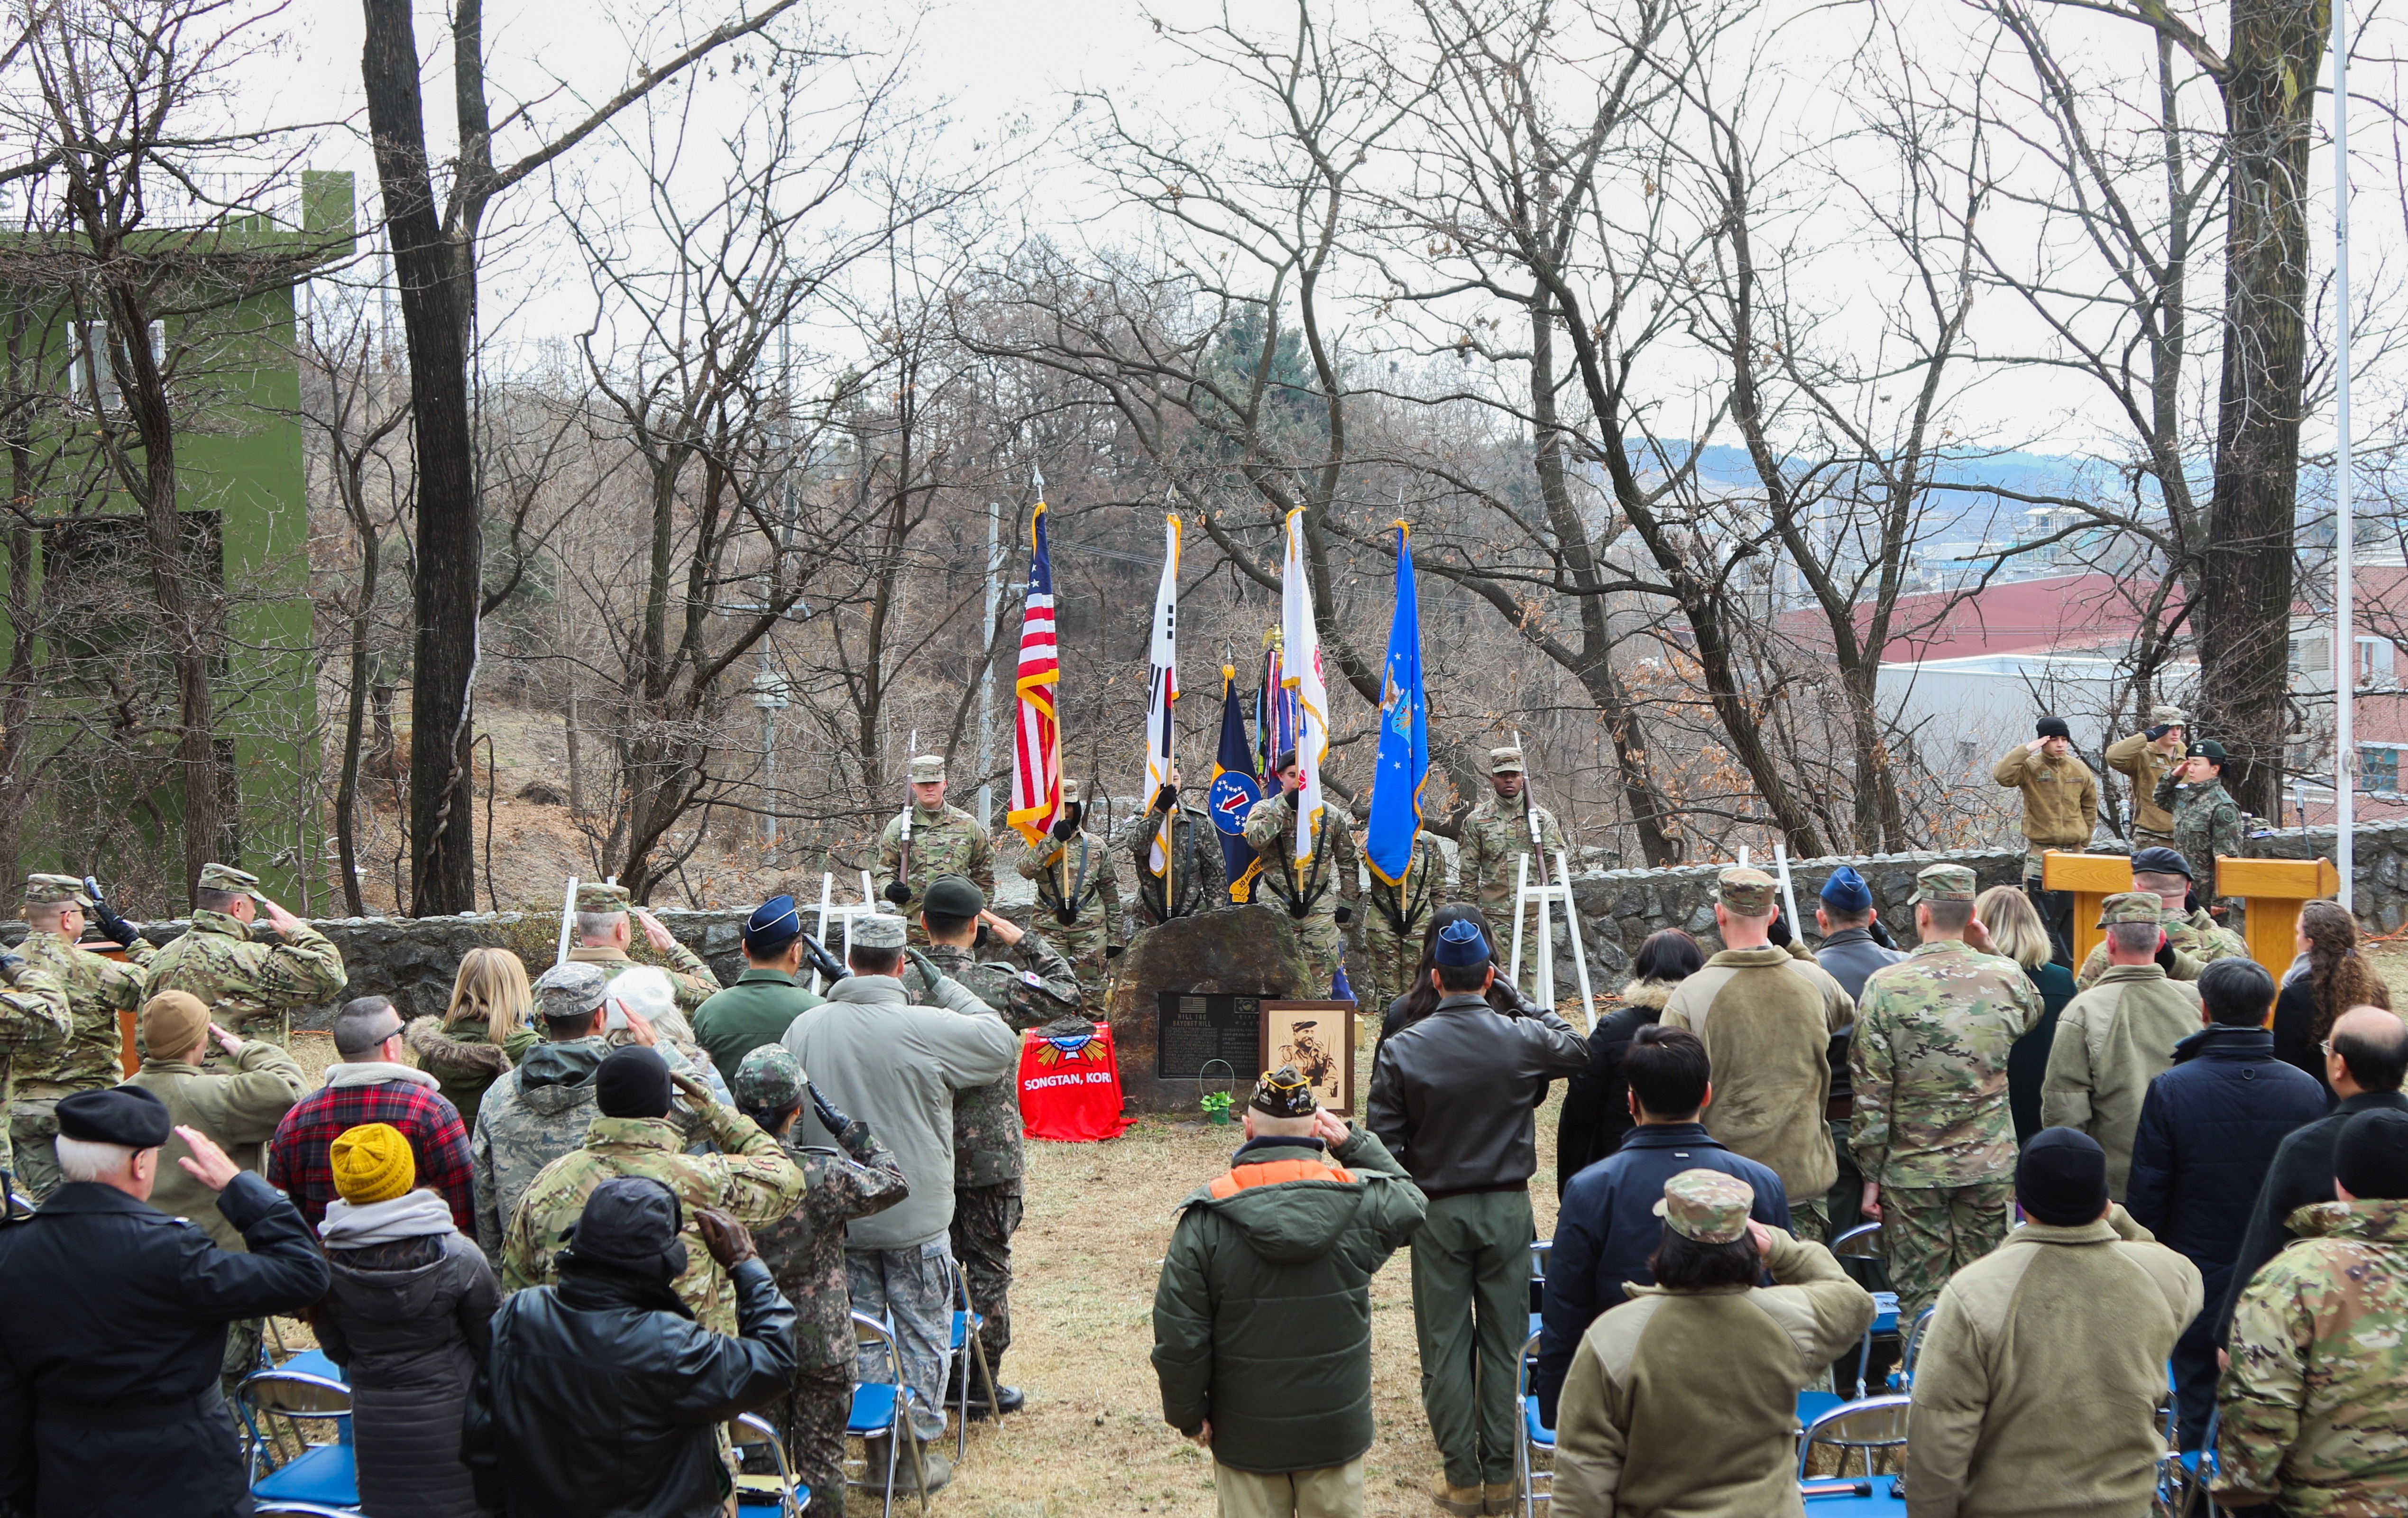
pixel 1193 1030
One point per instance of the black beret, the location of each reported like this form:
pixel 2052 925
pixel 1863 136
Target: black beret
pixel 127 1115
pixel 2161 861
pixel 953 896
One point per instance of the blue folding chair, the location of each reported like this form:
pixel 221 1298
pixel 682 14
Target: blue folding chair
pixel 883 1410
pixel 1875 1423
pixel 760 1496
pixel 1901 1376
pixel 1535 1486
pixel 966 1348
pixel 1542 1250
pixel 285 1468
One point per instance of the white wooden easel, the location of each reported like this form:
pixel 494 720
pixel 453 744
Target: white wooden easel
pixel 1525 896
pixel 843 914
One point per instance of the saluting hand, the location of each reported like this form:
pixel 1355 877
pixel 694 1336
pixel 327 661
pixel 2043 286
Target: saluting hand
pixel 207 1162
pixel 661 938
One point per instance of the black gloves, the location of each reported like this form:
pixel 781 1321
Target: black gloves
pixel 1166 799
pixel 1064 829
pixel 1345 915
pixel 2166 954
pixel 11 963
pixel 831 1117
pixel 1879 935
pixel 2157 732
pixel 1779 931
pixel 896 891
pixel 105 916
pixel 824 961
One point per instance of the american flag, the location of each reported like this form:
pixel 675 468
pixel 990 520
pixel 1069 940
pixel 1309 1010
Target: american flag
pixel 1036 739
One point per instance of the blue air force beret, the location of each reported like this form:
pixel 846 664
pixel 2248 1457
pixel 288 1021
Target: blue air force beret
pixel 1460 944
pixel 1847 891
pixel 127 1115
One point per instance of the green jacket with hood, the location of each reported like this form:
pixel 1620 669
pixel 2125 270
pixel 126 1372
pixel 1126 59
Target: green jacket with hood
pixel 1262 1321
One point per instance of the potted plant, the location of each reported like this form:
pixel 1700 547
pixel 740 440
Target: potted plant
pixel 1216 1106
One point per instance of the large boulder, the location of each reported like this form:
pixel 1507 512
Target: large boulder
pixel 1230 960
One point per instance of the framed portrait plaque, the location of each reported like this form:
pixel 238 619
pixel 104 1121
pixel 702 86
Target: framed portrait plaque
pixel 1318 1039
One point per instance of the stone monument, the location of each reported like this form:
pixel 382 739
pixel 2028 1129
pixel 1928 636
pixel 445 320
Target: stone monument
pixel 1190 992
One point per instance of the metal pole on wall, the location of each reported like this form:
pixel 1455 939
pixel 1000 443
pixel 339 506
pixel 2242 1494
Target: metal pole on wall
pixel 2344 520
pixel 986 680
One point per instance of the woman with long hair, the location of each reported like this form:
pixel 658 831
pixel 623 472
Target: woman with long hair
pixel 1423 996
pixel 2330 978
pixel 485 1031
pixel 1597 1101
pixel 2017 932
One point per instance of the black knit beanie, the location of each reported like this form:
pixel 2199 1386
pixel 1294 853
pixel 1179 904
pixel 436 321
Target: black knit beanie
pixel 2371 1159
pixel 2061 1178
pixel 633 1083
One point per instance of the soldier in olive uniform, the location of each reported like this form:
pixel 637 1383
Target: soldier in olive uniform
pixel 945 840
pixel 1321 899
pixel 34 1025
pixel 2194 938
pixel 1496 834
pixel 2207 821
pixel 98 989
pixel 604 931
pixel 1395 919
pixel 239 979
pixel 1198 873
pixel 1031 987
pixel 1932 1131
pixel 1078 889
pixel 805 1251
pixel 751 1178
pixel 2145 755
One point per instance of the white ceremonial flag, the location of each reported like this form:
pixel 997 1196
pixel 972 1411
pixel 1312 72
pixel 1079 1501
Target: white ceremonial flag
pixel 1164 690
pixel 1301 673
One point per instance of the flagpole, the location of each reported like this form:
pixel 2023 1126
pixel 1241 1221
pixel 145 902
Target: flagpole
pixel 2345 519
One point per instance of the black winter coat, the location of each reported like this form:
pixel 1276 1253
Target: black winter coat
pixel 604 1396
pixel 2209 1130
pixel 2295 1031
pixel 1597 1101
pixel 410 1321
pixel 112 1323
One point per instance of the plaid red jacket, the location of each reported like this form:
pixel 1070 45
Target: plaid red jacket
pixel 297 1157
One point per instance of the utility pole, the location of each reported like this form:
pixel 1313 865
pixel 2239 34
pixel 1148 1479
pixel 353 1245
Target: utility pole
pixel 986 680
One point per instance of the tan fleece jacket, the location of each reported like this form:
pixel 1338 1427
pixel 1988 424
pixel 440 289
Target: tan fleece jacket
pixel 1767 1020
pixel 2060 797
pixel 2112 1042
pixel 2037 1385
pixel 2134 757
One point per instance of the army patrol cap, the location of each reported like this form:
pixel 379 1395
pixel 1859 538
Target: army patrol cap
pixel 1504 761
pixel 55 891
pixel 878 930
pixel 1707 1206
pixel 1283 1092
pixel 949 895
pixel 601 896
pixel 126 1115
pixel 227 878
pixel 567 991
pixel 1944 882
pixel 928 767
pixel 2161 861
pixel 769 1080
pixel 1071 793
pixel 2206 748
pixel 2131 907
pixel 2168 717
pixel 1748 892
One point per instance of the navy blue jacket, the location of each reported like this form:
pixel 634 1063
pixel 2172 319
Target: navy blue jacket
pixel 1607 1227
pixel 2209 1130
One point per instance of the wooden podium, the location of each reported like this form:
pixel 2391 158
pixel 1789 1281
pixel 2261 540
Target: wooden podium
pixel 2272 891
pixel 2092 878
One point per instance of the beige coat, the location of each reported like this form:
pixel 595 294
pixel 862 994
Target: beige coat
pixel 1686 1402
pixel 1767 1020
pixel 2136 757
pixel 2037 1385
pixel 2060 798
pixel 238 1112
pixel 2112 1042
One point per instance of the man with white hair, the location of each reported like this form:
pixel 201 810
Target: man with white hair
pixel 109 1394
pixel 606 927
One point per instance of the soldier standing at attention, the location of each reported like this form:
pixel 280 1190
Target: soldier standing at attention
pixel 1934 1133
pixel 2207 821
pixel 2145 757
pixel 1078 889
pixel 1198 874
pixel 1321 902
pixel 1028 989
pixel 239 979
pixel 2060 807
pixel 604 932
pixel 98 989
pixel 1396 918
pixel 1499 829
pixel 805 1251
pixel 945 840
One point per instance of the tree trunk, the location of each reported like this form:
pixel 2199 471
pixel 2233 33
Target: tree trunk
pixel 2245 584
pixel 347 787
pixel 432 278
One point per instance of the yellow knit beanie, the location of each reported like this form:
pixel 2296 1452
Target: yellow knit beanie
pixel 372 1163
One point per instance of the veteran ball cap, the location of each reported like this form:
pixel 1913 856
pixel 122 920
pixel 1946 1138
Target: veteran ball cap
pixel 2161 861
pixel 1504 761
pixel 126 1115
pixel 2131 907
pixel 769 1080
pixel 2206 748
pixel 1707 1206
pixel 1283 1092
pixel 1944 882
pixel 216 877
pixel 928 767
pixel 567 991
pixel 601 896
pixel 1460 944
pixel 878 930
pixel 55 891
pixel 1745 891
pixel 1847 891
pixel 953 895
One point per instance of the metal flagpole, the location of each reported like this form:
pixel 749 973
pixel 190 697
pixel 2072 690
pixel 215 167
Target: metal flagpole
pixel 2344 522
pixel 986 682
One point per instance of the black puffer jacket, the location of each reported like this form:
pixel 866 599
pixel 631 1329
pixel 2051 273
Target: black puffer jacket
pixel 1597 1101
pixel 1453 1095
pixel 604 1395
pixel 409 1319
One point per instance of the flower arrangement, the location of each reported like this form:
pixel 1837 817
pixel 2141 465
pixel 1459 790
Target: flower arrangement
pixel 1216 1106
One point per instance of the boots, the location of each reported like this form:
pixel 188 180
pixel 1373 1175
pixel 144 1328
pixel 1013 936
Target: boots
pixel 1500 1497
pixel 938 1471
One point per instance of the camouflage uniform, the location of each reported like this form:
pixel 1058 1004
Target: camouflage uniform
pixel 1078 876
pixel 1031 990
pixel 34 1024
pixel 529 1118
pixel 239 979
pixel 2207 827
pixel 694 980
pixel 752 1179
pixel 947 841
pixel 2197 941
pixel 805 1251
pixel 1394 918
pixel 1932 1124
pixel 2316 1403
pixel 1497 831
pixel 98 989
pixel 1199 881
pixel 1271 831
